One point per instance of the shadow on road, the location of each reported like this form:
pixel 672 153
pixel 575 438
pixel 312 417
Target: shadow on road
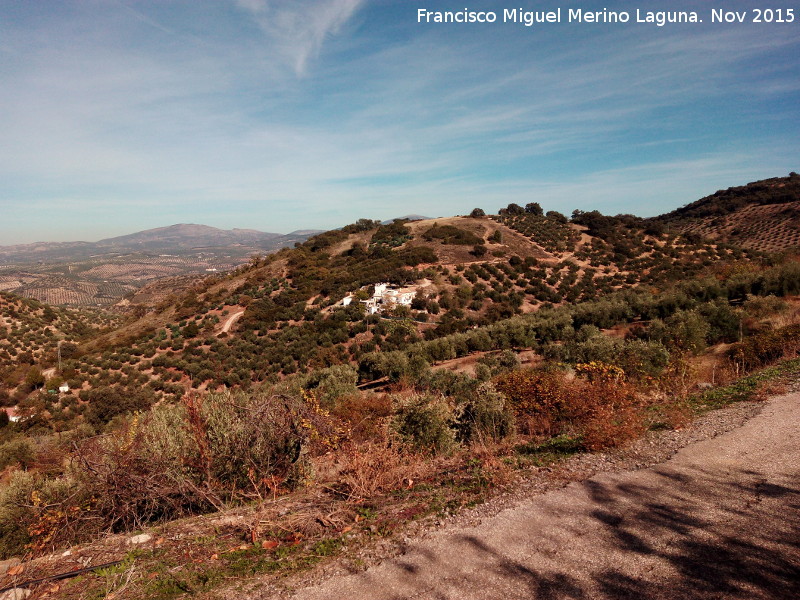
pixel 692 534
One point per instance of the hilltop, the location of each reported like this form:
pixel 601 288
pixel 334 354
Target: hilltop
pixel 763 215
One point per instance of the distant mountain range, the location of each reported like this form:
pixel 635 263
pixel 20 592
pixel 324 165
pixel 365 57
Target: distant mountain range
pixel 187 236
pixel 180 238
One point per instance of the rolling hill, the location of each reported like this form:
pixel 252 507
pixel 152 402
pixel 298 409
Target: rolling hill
pixel 388 370
pixel 763 215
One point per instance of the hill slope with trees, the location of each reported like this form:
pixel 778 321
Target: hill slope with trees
pixel 382 346
pixel 763 215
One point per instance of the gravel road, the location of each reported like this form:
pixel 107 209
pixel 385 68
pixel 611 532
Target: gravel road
pixel 720 519
pixel 231 320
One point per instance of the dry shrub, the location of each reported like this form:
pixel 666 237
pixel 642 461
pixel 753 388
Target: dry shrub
pixel 375 468
pixel 604 411
pixel 303 516
pixel 50 456
pixel 201 455
pixel 680 377
pixel 494 469
pixel 765 348
pixel 174 461
pixel 537 398
pixel 138 474
pixel 607 413
pixel 244 442
pixel 365 415
pixel 677 414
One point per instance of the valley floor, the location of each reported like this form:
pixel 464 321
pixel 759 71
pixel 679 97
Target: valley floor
pixel 721 519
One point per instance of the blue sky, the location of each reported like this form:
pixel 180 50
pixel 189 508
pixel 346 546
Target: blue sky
pixel 121 115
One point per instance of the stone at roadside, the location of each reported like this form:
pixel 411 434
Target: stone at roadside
pixel 142 538
pixel 15 594
pixel 5 565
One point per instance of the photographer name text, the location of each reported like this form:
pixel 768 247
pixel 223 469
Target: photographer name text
pixel 659 18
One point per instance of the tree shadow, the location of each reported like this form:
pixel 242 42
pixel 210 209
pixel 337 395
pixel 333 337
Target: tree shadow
pixel 700 533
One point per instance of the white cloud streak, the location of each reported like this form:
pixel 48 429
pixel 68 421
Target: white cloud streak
pixel 298 29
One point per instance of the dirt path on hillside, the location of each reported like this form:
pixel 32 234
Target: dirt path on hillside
pixel 231 320
pixel 721 519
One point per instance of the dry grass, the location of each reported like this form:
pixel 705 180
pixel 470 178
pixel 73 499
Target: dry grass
pixel 307 515
pixel 770 389
pixel 375 468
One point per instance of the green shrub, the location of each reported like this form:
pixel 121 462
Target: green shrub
pixel 423 422
pixel 486 416
pixel 16 513
pixel 497 363
pixel 200 455
pixel 33 515
pixel 18 451
pixel 763 306
pixel 639 358
pixel 331 383
pixel 450 234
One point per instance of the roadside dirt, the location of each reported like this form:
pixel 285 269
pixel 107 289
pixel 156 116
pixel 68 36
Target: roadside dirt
pixel 231 320
pixel 720 519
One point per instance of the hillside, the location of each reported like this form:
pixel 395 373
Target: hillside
pixel 457 274
pixel 293 318
pixel 763 215
pixel 30 333
pixel 368 367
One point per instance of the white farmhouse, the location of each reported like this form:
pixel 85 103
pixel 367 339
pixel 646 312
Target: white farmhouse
pixel 385 296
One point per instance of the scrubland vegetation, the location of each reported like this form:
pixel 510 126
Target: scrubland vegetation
pixel 502 361
pixel 207 451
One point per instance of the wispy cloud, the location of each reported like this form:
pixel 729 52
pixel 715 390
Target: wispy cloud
pixel 299 28
pixel 148 117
